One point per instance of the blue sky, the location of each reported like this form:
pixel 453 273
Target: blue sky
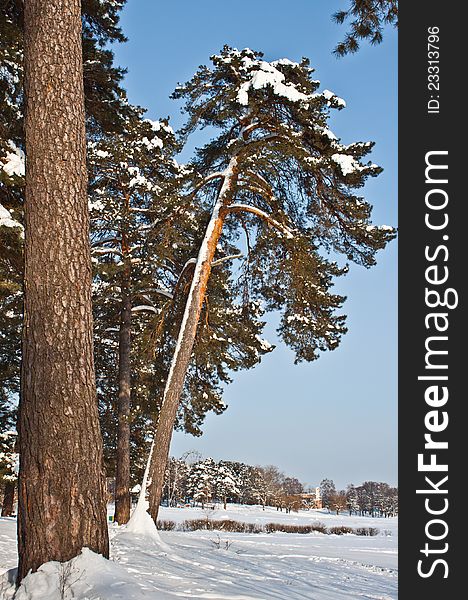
pixel 336 417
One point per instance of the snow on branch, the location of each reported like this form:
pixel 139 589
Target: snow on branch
pixel 225 258
pixel 261 140
pixel 148 299
pixel 106 240
pixel 244 132
pixel 145 307
pixel 263 215
pixel 267 75
pixel 161 291
pixel 188 264
pixel 191 261
pixel 207 179
pixel 261 181
pixel 141 210
pixel 258 185
pixel 14 161
pixel 102 251
pixel 6 220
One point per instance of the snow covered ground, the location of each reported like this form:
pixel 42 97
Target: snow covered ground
pixel 223 566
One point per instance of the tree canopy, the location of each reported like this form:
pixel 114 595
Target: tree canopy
pixel 367 21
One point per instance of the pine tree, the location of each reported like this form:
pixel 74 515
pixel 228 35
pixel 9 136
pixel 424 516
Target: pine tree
pixel 243 477
pixel 367 491
pixel 200 483
pixel 62 503
pixel 142 241
pixel 105 111
pixel 369 18
pixel 327 491
pixel 131 185
pixel 277 173
pixel 225 483
pixel 391 502
pixel 248 482
pixel 102 80
pixel 352 500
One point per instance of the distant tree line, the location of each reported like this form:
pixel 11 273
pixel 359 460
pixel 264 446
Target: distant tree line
pixel 206 481
pixel 372 498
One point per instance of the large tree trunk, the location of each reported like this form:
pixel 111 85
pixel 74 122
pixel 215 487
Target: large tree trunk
pixel 122 479
pixel 186 338
pixel 8 498
pixel 62 501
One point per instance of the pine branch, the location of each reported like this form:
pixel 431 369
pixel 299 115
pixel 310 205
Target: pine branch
pixel 264 216
pixel 207 179
pixel 225 258
pixel 105 241
pixel 145 307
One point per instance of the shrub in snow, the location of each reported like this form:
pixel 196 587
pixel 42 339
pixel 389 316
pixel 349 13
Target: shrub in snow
pixel 341 530
pixel 165 525
pixel 367 531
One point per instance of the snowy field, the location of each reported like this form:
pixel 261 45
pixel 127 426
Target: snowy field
pixel 221 565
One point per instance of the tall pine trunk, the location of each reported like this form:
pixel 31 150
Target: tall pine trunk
pixel 8 498
pixel 122 479
pixel 186 338
pixel 62 498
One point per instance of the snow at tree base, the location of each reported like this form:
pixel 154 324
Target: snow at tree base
pixel 221 565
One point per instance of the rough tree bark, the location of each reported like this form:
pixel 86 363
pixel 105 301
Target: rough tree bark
pixel 122 476
pixel 62 498
pixel 8 498
pixel 186 338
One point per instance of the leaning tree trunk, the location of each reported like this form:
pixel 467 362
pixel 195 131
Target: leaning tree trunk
pixel 122 476
pixel 62 498
pixel 186 338
pixel 8 498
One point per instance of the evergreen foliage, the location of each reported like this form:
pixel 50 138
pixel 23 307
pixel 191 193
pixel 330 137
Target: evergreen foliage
pixel 368 19
pixel 105 107
pixel 294 188
pixel 143 235
pixel 294 211
pixel 8 457
pixel 327 491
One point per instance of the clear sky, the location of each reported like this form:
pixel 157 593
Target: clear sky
pixel 336 417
